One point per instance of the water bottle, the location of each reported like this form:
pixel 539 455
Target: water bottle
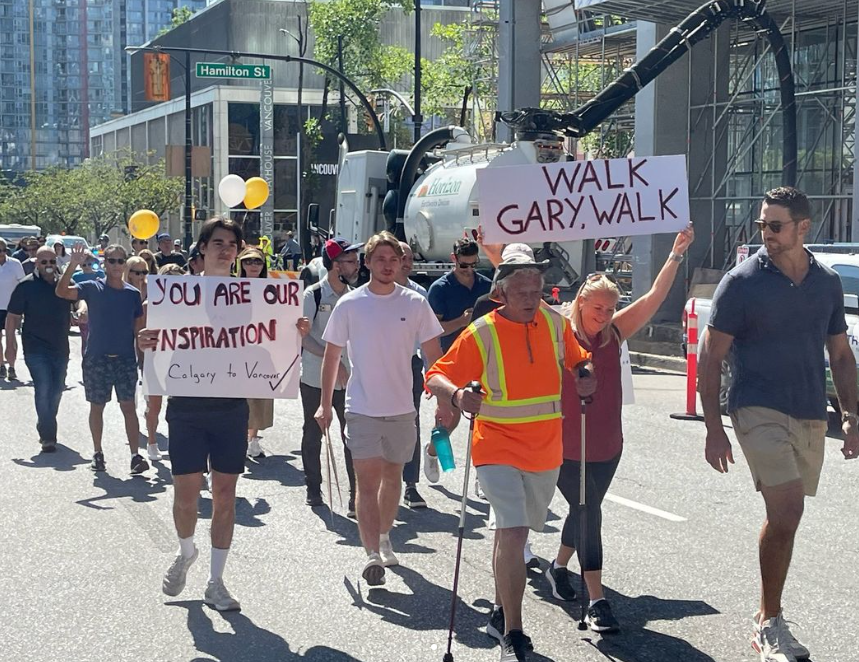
pixel 441 441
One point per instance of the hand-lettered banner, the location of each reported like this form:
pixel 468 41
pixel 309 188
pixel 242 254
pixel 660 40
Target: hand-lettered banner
pixel 223 337
pixel 577 200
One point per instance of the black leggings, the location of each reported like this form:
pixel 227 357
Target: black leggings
pixel 598 477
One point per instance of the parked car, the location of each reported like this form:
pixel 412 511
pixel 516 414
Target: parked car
pixel 68 240
pixel 842 259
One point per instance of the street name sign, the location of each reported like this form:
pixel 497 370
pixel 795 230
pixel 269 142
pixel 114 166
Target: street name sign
pixel 238 71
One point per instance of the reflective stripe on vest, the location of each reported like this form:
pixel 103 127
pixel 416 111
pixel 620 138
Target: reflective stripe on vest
pixel 497 406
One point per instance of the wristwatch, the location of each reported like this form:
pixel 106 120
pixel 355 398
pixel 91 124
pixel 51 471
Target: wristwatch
pixel 676 257
pixel 849 416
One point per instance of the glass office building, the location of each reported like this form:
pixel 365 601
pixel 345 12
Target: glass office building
pixel 63 69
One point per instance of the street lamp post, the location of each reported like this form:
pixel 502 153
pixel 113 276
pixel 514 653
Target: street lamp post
pixel 189 202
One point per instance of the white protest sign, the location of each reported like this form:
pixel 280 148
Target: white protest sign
pixel 577 200
pixel 223 337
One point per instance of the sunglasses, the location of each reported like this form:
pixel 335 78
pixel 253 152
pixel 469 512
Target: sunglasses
pixel 255 261
pixel 774 226
pixel 47 262
pixel 138 273
pixel 115 260
pixel 467 265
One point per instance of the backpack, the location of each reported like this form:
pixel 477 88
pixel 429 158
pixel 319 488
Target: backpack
pixel 317 296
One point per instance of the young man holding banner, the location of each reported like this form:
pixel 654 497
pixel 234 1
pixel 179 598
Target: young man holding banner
pixel 207 431
pixel 381 322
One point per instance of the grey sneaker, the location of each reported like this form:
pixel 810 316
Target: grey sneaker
pixel 793 645
pixel 374 570
pixel 218 597
pixel 771 642
pixel 174 580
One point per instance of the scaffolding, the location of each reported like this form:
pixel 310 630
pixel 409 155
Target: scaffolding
pixel 481 52
pixel 734 129
pixel 748 120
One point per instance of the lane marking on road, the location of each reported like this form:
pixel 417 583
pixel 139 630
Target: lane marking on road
pixel 650 510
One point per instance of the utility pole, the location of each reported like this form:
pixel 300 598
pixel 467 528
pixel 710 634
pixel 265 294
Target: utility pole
pixel 417 118
pixel 189 202
pixel 343 126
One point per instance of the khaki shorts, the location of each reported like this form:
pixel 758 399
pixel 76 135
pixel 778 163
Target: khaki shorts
pixel 391 438
pixel 517 498
pixel 779 448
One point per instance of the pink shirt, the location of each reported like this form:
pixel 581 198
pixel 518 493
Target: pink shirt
pixel 604 430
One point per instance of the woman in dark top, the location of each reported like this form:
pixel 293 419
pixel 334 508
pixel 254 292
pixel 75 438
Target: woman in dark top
pixel 600 328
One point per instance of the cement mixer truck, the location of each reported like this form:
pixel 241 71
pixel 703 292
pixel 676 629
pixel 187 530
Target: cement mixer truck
pixel 428 196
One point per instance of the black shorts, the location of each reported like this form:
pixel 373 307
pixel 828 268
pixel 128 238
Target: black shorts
pixel 3 319
pixel 104 374
pixel 198 438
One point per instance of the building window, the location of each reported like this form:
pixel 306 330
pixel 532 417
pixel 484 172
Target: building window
pixel 243 129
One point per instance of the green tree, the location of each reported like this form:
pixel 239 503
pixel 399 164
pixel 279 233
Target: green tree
pixel 178 16
pixel 94 197
pixel 462 64
pixel 366 61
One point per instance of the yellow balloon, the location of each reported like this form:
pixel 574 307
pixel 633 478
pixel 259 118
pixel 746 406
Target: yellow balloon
pixel 256 192
pixel 143 224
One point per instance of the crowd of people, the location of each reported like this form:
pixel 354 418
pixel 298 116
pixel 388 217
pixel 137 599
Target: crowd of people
pixel 372 351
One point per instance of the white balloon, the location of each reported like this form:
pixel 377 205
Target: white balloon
pixel 232 190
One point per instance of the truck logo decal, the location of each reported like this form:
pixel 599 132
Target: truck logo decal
pixel 439 188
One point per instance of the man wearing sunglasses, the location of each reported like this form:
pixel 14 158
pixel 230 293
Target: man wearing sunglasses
pixel 453 296
pixel 110 361
pixel 11 272
pixel 45 336
pixel 778 310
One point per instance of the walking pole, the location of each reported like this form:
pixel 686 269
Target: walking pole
pixel 583 512
pixel 448 657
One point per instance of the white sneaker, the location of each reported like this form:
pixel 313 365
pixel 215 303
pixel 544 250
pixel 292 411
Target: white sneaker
pixel 431 468
pixel 796 648
pixel 531 559
pixel 219 597
pixel 771 642
pixel 208 477
pixel 478 491
pixel 386 553
pixel 153 452
pixel 254 449
pixel 174 579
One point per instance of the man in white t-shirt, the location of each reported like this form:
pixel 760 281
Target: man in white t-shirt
pixel 11 272
pixel 381 323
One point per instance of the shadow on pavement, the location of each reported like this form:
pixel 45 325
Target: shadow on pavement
pixel 12 386
pixel 141 489
pixel 636 643
pixel 248 642
pixel 274 467
pixel 426 607
pixel 63 459
pixel 247 512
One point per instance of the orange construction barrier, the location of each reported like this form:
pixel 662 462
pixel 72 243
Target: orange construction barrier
pixel 691 413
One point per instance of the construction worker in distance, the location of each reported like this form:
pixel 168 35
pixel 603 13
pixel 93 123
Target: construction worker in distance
pixel 517 353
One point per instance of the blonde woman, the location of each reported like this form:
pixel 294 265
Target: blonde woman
pixel 601 329
pixel 252 264
pixel 136 276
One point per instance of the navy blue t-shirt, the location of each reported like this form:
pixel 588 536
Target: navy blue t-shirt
pixel 450 298
pixel 112 315
pixel 780 330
